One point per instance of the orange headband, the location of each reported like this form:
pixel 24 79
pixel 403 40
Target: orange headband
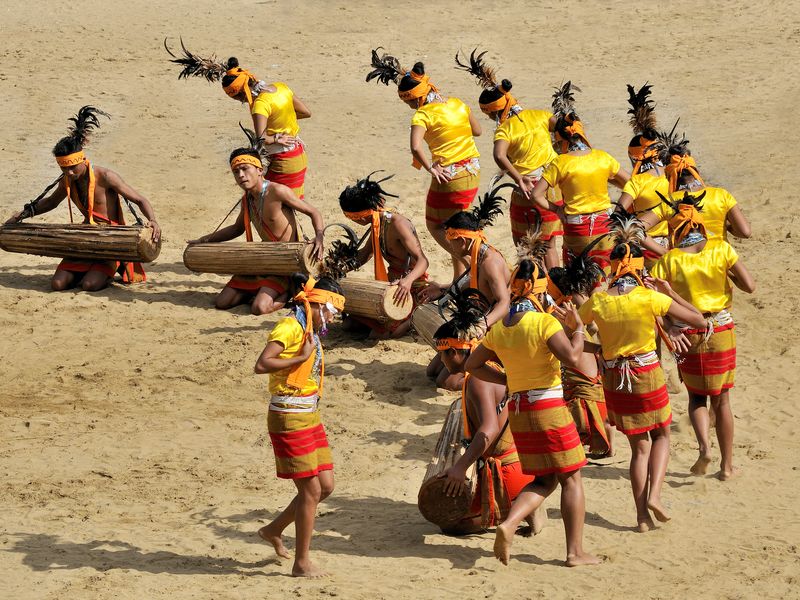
pixel 240 84
pixel 246 159
pixel 642 153
pixel 574 128
pixel 677 164
pixel 466 234
pixel 443 344
pixel 361 214
pixel 555 292
pixel 504 103
pixel 528 288
pixel 70 160
pixel 687 219
pixel 627 265
pixel 419 91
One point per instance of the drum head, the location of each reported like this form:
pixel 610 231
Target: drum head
pixel 440 509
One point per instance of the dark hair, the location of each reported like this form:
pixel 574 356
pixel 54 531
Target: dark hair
pixel 525 271
pixel 495 93
pixel 232 63
pixel 365 194
pixel 561 127
pixel 470 307
pixel 619 251
pixel 243 151
pixel 408 82
pixel 448 330
pixel 298 280
pixel 649 135
pixel 83 124
pixel 67 145
pixel 685 177
pixel 482 214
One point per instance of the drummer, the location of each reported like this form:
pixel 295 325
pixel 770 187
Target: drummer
pixel 96 192
pixel 393 238
pixel 270 208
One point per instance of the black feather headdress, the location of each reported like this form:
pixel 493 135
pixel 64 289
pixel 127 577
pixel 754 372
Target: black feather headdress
pixel 579 275
pixel 385 68
pixel 467 310
pixel 642 110
pixel 695 200
pixel 564 100
pixel 490 206
pixel 366 193
pixel 342 257
pixel 256 144
pixel 84 123
pixel 193 65
pixel 672 144
pixel 477 68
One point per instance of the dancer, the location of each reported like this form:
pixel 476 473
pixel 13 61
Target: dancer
pixel 270 209
pixel 96 192
pixel 273 106
pixel 485 428
pixel 582 173
pixel 700 270
pixel 294 359
pixel 633 382
pixel 640 193
pixel 522 149
pixel 448 127
pixel 530 343
pixel 393 238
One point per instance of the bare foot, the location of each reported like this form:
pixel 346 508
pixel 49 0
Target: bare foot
pixel 502 544
pixel 701 465
pixel 645 525
pixel 658 510
pixel 539 520
pixel 579 560
pixel 307 569
pixel 726 474
pixel 266 534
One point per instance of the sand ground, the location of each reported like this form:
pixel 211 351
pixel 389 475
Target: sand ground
pixel 134 458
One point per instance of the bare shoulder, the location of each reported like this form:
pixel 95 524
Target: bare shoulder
pixel 278 191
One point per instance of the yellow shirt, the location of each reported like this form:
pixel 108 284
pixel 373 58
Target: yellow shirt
pixel 626 323
pixel 716 204
pixel 642 187
pixel 583 180
pixel 279 110
pixel 528 137
pixel 701 278
pixel 447 131
pixel 289 333
pixel 522 348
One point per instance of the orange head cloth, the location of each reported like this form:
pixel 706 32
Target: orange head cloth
pixel 443 344
pixel 299 374
pixel 381 274
pixel 573 129
pixel 555 292
pixel 478 238
pixel 678 164
pixel 642 153
pixel 240 84
pixel 627 265
pixel 687 219
pixel 420 91
pixel 70 160
pixel 503 103
pixel 528 288
pixel 246 159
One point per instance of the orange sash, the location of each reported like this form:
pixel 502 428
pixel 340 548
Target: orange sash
pixel 478 238
pixel 377 256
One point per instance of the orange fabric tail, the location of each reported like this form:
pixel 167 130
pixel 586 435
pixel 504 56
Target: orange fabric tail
pixel 377 256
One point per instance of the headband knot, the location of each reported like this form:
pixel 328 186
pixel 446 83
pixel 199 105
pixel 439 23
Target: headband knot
pixel 678 164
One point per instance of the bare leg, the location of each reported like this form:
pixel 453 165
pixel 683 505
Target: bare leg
pixel 722 409
pixel 551 259
pixel 437 231
pixel 610 435
pixel 573 512
pixel 229 297
pixel 659 459
pixel 698 414
pixel 309 493
pixel 94 281
pixel 273 531
pixel 640 458
pixel 62 280
pixel 267 301
pixel 529 499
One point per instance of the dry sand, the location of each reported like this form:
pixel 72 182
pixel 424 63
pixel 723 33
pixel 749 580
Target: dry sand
pixel 135 460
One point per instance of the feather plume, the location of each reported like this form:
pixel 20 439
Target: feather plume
pixel 385 68
pixel 367 192
pixel 490 206
pixel 532 247
pixel 695 200
pixel 467 310
pixel 256 144
pixel 195 66
pixel 85 122
pixel 478 69
pixel 342 256
pixel 642 109
pixel 580 274
pixel 564 100
pixel 672 144
pixel 626 229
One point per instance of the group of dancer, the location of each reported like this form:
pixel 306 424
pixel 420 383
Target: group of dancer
pixel 551 354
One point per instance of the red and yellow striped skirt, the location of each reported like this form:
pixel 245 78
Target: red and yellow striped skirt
pixel 578 235
pixel 253 283
pixel 289 168
pixel 300 445
pixel 709 367
pixel 500 481
pixel 446 199
pixel 523 217
pixel 545 436
pixel 132 272
pixel 642 408
pixel 587 404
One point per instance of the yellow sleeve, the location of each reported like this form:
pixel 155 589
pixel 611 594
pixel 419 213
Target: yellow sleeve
pixel 731 256
pixel 613 165
pixel 659 270
pixel 421 118
pixel 728 200
pixel 488 340
pixel 550 327
pixel 586 311
pixel 660 210
pixel 287 332
pixel 262 106
pixel 660 303
pixel 631 188
pixel 502 133
pixel 550 174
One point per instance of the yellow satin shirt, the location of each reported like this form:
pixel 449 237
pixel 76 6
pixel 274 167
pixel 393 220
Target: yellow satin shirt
pixel 642 187
pixel 528 137
pixel 522 348
pixel 701 278
pixel 447 131
pixel 626 323
pixel 583 180
pixel 289 333
pixel 716 204
pixel 279 110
